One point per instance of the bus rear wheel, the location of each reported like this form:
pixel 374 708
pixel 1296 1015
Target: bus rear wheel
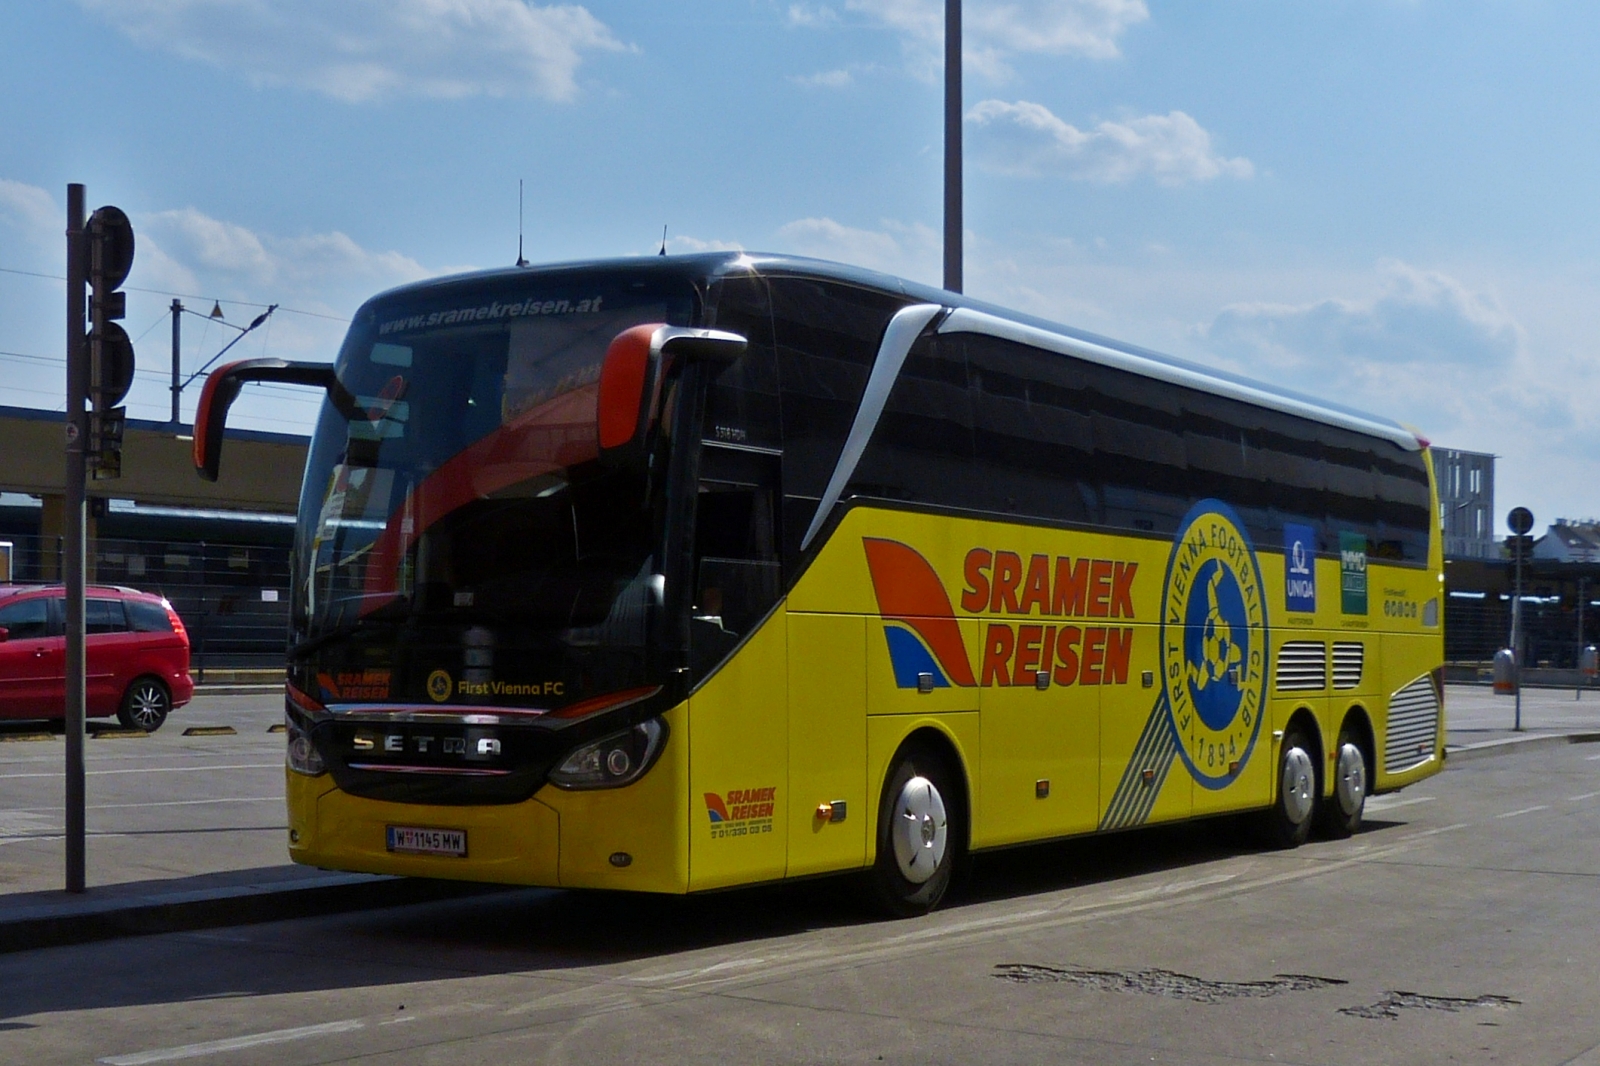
pixel 1288 822
pixel 919 834
pixel 1340 814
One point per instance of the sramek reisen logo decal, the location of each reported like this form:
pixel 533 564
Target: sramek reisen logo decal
pixel 741 812
pixel 1214 644
pixel 1054 617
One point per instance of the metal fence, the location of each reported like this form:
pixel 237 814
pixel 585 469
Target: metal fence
pixel 1477 624
pixel 233 598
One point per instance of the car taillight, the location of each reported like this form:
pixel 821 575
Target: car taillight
pixel 177 623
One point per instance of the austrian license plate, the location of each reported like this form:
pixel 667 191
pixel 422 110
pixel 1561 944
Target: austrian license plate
pixel 418 840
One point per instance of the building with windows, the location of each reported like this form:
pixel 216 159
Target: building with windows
pixel 1570 540
pixel 1466 503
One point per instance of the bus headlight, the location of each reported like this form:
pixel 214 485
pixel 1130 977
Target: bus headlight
pixel 612 761
pixel 301 753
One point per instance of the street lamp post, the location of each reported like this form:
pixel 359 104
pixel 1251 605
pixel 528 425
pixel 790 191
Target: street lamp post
pixel 952 145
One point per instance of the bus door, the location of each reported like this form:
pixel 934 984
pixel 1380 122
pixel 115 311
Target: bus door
pixel 739 709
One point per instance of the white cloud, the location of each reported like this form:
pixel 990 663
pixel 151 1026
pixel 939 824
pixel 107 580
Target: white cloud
pixel 1419 318
pixel 811 15
pixel 31 209
pixel 1027 139
pixel 826 79
pixel 908 251
pixel 216 248
pixel 691 245
pixel 994 32
pixel 361 50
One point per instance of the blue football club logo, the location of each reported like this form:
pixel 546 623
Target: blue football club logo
pixel 1214 644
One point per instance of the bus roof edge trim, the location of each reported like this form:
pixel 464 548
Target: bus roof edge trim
pixel 966 320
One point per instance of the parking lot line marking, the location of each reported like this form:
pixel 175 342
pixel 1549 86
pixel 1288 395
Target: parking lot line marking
pixel 1384 803
pixel 1585 796
pixel 1525 810
pixel 237 1043
pixel 1590 758
pixel 155 803
pixel 160 770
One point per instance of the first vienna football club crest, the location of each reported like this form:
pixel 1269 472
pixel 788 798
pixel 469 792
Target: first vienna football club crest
pixel 1214 644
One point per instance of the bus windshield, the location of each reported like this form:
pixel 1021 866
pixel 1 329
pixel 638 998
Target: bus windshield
pixel 454 518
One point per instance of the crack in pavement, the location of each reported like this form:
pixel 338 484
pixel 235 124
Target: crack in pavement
pixel 1393 1002
pixel 1164 982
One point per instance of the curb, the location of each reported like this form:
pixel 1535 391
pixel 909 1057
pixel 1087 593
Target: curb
pixel 235 688
pixel 1489 748
pixel 81 921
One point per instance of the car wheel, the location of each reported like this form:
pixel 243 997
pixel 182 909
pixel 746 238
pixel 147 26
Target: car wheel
pixel 145 705
pixel 1288 822
pixel 920 832
pixel 1340 814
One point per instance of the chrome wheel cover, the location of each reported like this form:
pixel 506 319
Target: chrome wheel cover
pixel 1351 784
pixel 919 830
pixel 147 705
pixel 1298 793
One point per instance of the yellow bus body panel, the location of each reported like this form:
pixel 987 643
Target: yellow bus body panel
pixel 808 713
pixel 738 764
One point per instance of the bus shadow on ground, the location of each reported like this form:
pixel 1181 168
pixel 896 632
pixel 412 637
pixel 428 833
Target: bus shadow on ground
pixel 529 931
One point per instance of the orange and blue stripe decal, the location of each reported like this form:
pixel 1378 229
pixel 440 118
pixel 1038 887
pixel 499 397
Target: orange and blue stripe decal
pixel 926 637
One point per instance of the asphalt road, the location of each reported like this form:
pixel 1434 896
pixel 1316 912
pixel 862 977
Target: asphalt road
pixel 159 806
pixel 1459 927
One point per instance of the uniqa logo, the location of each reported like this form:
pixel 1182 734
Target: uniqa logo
pixel 1214 643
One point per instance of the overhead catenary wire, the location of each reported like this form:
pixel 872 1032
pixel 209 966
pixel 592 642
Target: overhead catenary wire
pixel 186 295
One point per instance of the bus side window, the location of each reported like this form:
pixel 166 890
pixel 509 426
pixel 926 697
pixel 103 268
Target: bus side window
pixel 738 572
pixel 827 336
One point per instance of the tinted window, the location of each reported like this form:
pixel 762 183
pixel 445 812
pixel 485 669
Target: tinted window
pixel 827 336
pixel 1061 438
pixel 738 575
pixel 742 405
pixel 104 616
pixel 1034 432
pixel 147 617
pixel 921 450
pixel 28 620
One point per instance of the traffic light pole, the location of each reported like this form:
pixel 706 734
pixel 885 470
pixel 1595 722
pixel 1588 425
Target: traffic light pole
pixel 77 430
pixel 1516 640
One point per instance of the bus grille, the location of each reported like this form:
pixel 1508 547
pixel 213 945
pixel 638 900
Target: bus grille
pixel 1348 656
pixel 1413 726
pixel 1302 666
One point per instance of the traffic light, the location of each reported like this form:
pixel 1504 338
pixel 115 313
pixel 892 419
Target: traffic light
pixel 1519 548
pixel 110 351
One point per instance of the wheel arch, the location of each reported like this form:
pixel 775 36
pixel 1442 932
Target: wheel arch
pixel 937 740
pixel 1304 719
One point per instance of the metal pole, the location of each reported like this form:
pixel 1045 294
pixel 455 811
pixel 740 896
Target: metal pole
pixel 177 332
pixel 73 527
pixel 952 145
pixel 1577 686
pixel 1516 638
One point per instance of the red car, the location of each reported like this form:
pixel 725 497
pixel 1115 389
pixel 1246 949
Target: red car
pixel 136 647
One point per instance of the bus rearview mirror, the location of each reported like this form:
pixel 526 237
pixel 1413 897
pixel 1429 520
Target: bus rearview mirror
pixel 223 386
pixel 635 364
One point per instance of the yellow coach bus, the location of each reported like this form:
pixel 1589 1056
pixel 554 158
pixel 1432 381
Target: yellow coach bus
pixel 679 573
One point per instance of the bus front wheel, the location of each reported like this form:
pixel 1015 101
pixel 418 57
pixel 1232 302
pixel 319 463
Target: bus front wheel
pixel 1288 822
pixel 919 833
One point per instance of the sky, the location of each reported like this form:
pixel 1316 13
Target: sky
pixel 1388 203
